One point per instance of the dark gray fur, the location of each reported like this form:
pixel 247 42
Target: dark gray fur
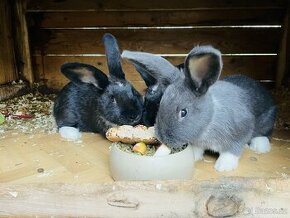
pixel 93 102
pixel 149 66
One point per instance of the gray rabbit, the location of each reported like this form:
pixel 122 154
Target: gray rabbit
pixel 93 102
pixel 222 116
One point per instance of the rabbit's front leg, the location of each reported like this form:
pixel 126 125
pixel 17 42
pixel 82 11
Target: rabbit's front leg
pixel 103 125
pixel 227 161
pixel 197 153
pixel 70 133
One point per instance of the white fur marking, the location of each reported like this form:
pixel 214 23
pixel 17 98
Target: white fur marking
pixel 226 162
pixel 70 133
pixel 120 84
pixel 260 144
pixel 197 153
pixel 154 88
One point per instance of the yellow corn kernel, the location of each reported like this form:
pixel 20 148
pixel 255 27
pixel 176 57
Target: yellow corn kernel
pixel 140 147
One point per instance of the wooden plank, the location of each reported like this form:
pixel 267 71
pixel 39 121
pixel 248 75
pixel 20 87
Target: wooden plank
pixel 238 197
pixel 22 42
pixel 69 5
pixel 256 67
pixel 284 57
pixel 171 41
pixel 7 58
pixel 47 68
pixel 24 151
pixel 158 18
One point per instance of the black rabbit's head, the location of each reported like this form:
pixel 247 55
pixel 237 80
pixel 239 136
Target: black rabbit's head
pixel 120 97
pixel 149 66
pixel 116 100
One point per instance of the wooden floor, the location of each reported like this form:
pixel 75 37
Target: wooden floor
pixel 47 158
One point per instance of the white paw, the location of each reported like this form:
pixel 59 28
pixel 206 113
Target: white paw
pixel 70 133
pixel 197 153
pixel 260 144
pixel 226 162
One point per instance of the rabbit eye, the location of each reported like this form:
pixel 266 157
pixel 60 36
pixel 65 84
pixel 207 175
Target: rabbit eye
pixel 183 112
pixel 113 99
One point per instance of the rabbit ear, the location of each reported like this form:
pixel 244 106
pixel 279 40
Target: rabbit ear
pixel 155 66
pixel 113 56
pixel 148 79
pixel 203 67
pixel 85 73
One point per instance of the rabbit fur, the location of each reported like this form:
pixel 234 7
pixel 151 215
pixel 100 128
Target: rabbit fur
pixel 93 102
pixel 210 114
pixel 156 83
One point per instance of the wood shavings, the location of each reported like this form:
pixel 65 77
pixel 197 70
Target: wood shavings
pixel 38 105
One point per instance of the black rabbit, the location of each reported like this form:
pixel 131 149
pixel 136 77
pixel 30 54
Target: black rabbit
pixel 156 83
pixel 93 102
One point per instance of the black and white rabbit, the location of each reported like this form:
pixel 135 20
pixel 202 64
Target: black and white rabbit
pixel 93 102
pixel 156 83
pixel 221 116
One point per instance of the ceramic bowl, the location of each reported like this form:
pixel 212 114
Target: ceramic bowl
pixel 127 166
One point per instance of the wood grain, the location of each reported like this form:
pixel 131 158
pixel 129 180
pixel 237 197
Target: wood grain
pixel 7 56
pixel 158 18
pixel 171 41
pixel 62 188
pixel 88 161
pixel 218 198
pixel 283 68
pixel 257 67
pixel 69 5
pixel 21 41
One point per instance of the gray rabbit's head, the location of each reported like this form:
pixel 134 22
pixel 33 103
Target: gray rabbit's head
pixel 186 108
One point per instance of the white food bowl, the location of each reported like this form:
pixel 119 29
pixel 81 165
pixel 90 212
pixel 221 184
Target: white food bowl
pixel 126 166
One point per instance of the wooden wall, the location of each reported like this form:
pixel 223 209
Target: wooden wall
pixel 71 30
pixel 7 57
pixel 15 60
